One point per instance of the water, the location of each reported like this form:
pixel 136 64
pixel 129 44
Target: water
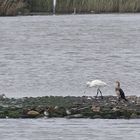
pixel 56 55
pixel 63 129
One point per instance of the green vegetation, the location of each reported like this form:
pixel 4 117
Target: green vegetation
pixel 12 7
pixel 15 7
pixel 97 6
pixel 70 107
pixel 41 5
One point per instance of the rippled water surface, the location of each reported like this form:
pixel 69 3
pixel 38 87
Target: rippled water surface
pixel 56 55
pixel 63 129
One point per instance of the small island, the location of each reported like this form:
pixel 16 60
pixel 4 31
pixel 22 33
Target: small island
pixel 70 107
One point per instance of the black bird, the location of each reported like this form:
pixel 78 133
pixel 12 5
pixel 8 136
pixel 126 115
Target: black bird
pixel 120 93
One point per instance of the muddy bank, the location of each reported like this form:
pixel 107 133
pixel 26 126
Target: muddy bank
pixel 70 107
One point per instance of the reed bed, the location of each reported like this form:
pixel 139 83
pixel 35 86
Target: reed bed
pixel 97 6
pixel 11 7
pixel 41 5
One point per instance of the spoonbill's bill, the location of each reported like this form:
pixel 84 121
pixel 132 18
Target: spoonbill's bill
pixel 97 84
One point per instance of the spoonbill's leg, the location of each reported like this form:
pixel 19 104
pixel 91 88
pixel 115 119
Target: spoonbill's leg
pixel 101 93
pixel 97 93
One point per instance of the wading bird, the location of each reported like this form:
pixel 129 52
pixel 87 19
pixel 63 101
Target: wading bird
pixel 96 84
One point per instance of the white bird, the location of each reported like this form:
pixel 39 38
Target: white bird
pixel 96 84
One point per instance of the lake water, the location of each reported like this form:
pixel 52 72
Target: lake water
pixel 56 55
pixel 63 129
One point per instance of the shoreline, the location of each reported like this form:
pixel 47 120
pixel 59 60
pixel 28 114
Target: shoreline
pixel 70 107
pixel 59 14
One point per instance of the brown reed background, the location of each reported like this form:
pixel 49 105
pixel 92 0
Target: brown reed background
pixel 14 7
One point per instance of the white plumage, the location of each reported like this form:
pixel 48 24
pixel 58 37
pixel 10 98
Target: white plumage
pixel 96 84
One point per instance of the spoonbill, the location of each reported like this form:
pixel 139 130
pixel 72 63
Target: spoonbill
pixel 96 84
